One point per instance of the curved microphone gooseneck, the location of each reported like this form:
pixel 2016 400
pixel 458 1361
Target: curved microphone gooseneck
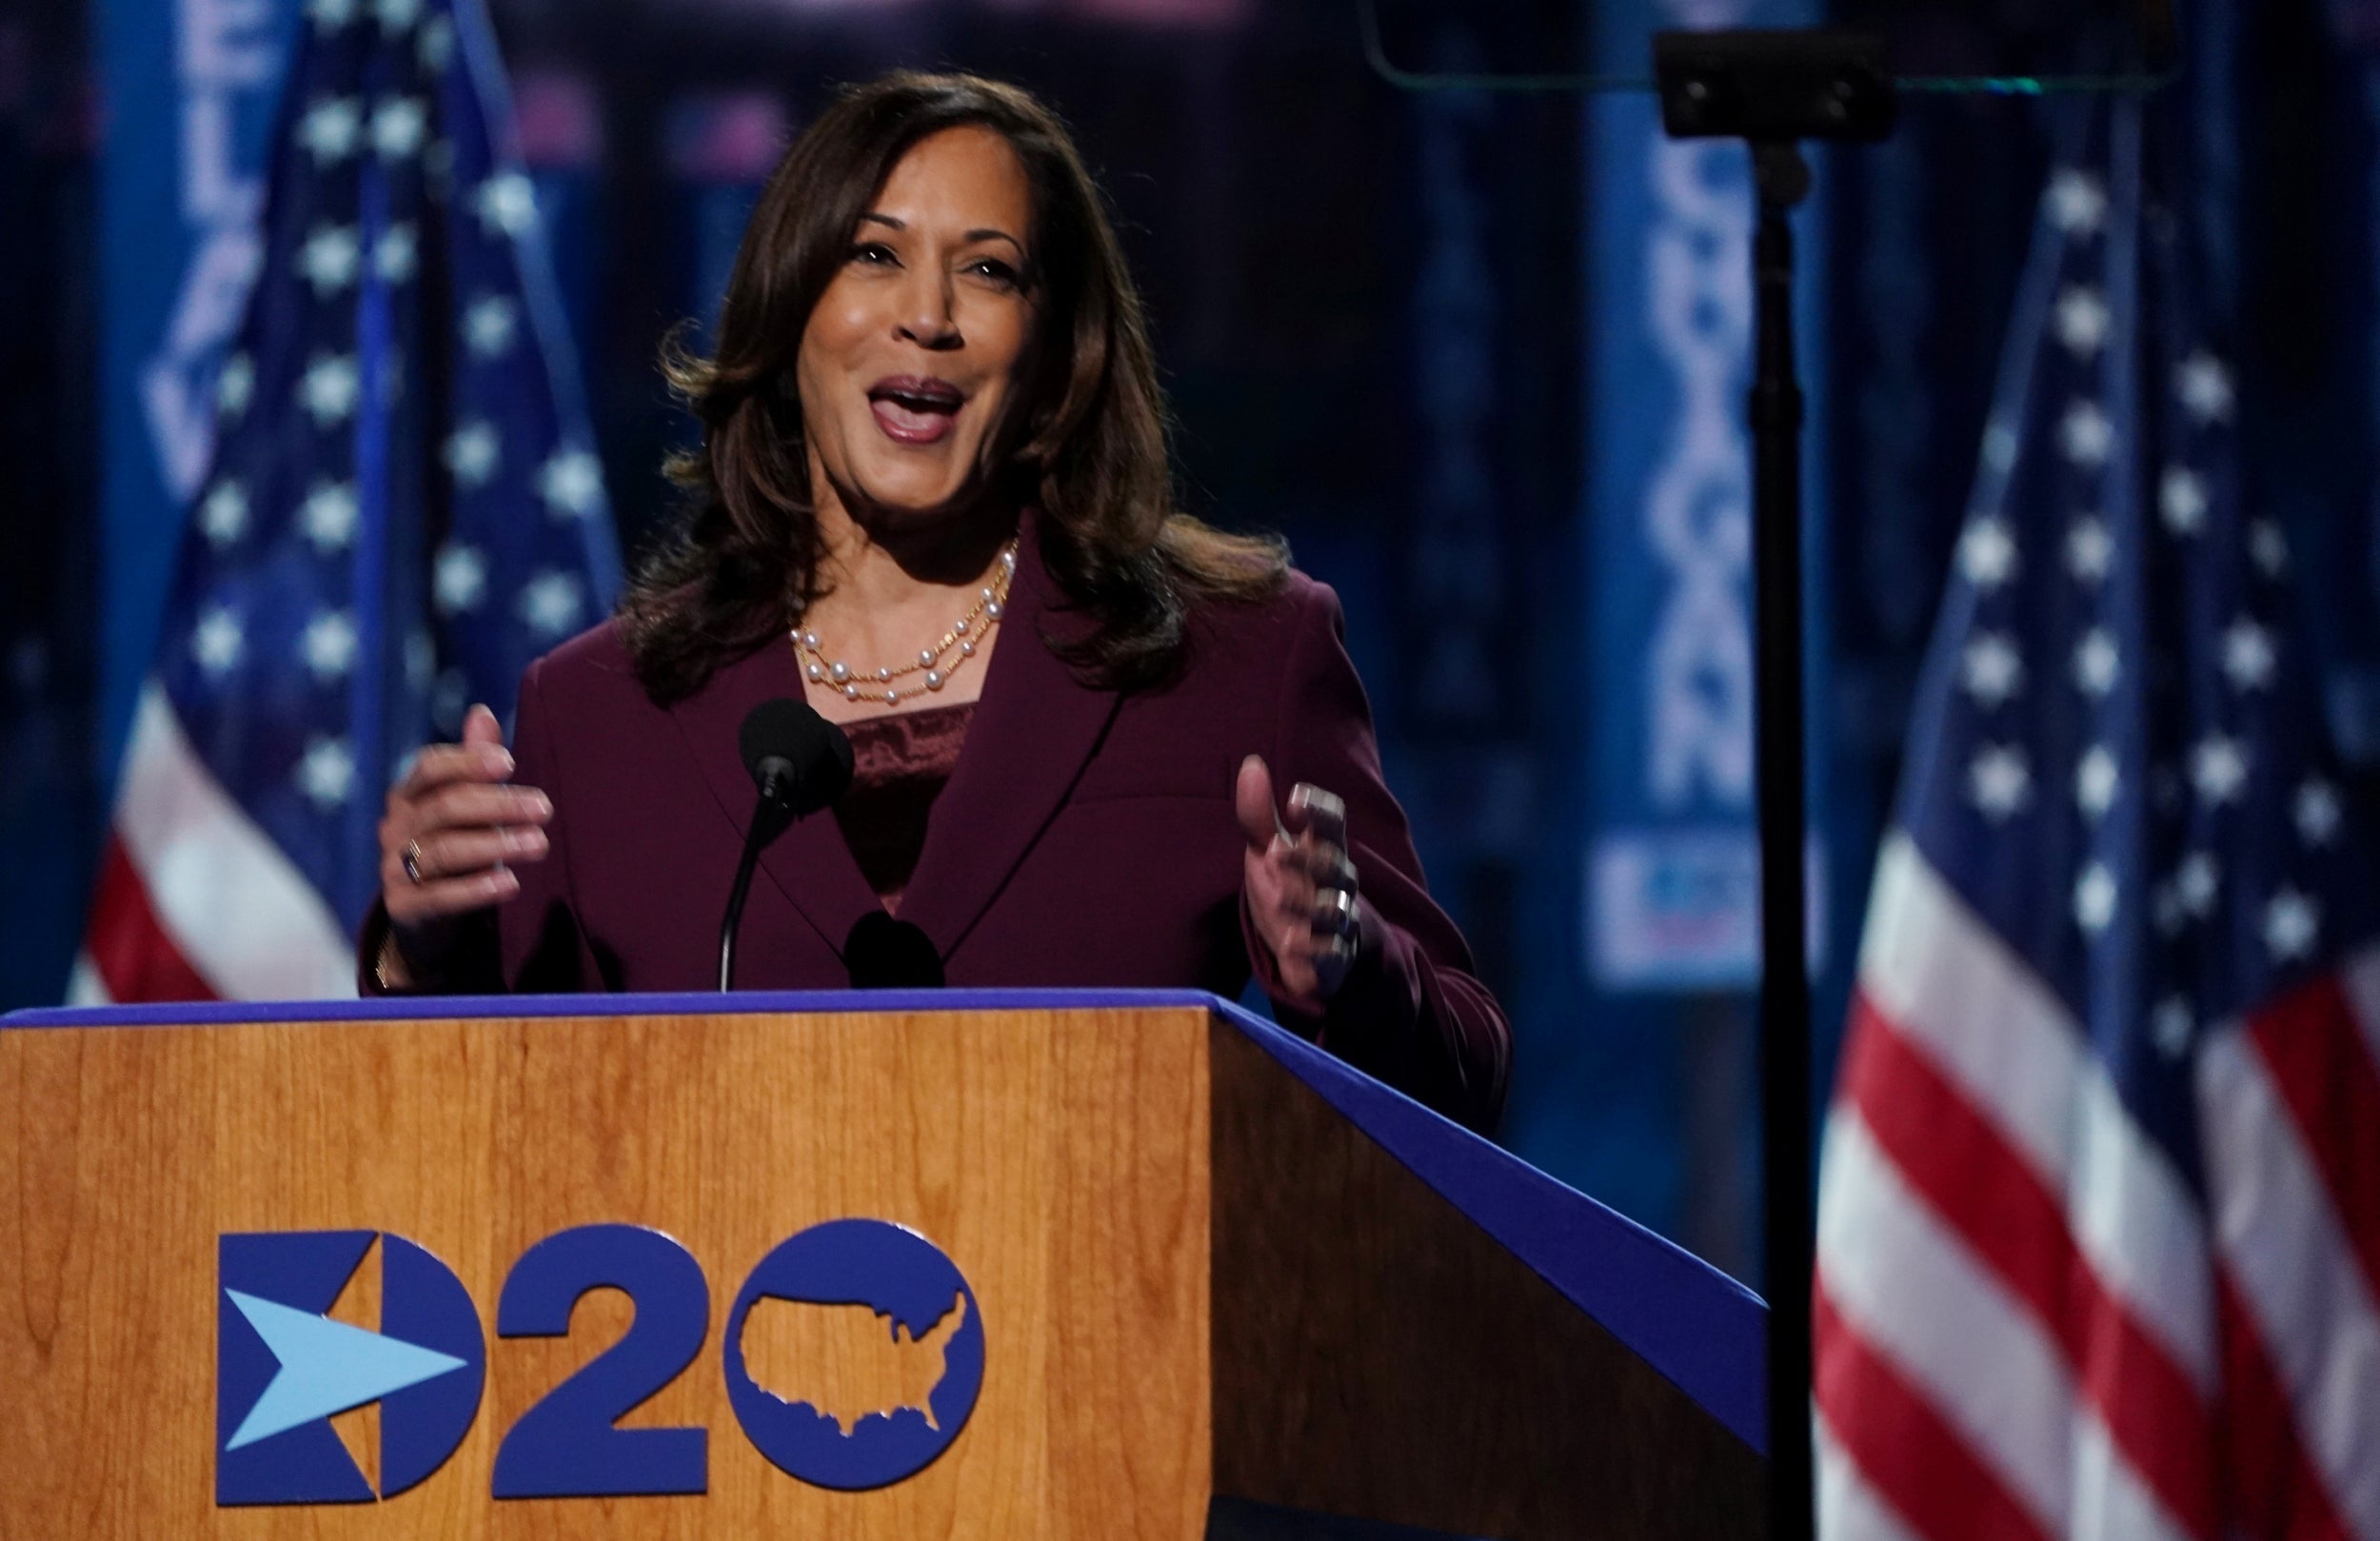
pixel 800 764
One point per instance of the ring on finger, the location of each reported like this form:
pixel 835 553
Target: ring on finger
pixel 411 857
pixel 1336 913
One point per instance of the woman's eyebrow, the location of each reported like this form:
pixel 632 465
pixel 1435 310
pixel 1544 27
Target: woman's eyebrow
pixel 886 220
pixel 997 235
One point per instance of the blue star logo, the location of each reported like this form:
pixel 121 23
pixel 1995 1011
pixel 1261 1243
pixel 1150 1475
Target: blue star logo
pixel 284 1368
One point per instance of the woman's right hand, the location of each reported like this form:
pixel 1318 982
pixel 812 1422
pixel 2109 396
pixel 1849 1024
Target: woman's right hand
pixel 466 828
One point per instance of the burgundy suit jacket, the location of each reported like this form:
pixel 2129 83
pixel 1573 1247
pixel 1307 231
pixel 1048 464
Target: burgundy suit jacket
pixel 1086 838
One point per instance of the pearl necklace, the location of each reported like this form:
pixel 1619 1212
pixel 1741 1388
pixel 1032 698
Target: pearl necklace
pixel 991 603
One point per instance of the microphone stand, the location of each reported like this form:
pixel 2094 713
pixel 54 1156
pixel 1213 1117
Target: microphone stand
pixel 1773 89
pixel 771 814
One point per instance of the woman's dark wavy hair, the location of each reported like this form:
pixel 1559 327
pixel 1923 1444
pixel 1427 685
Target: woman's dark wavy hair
pixel 1084 441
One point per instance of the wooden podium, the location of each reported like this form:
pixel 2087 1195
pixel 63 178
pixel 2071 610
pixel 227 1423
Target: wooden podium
pixel 1223 1286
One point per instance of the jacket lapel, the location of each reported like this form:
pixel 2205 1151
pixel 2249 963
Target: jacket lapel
pixel 1034 729
pixel 810 863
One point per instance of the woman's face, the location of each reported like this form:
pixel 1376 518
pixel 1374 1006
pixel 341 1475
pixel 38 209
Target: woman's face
pixel 912 352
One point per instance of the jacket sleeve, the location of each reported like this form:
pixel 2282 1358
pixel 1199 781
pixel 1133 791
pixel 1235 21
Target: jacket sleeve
pixel 533 943
pixel 1410 1012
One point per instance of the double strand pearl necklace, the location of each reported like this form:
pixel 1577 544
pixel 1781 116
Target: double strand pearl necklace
pixel 991 603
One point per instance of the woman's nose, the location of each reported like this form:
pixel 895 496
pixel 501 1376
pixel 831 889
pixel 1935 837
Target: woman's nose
pixel 927 313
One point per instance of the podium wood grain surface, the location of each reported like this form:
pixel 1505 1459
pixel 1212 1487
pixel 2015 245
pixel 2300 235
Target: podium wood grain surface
pixel 1208 1263
pixel 1059 1157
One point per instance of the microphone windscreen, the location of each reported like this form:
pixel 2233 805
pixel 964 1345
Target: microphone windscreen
pixel 816 751
pixel 885 954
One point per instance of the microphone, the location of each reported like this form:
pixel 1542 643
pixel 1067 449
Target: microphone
pixel 885 954
pixel 799 763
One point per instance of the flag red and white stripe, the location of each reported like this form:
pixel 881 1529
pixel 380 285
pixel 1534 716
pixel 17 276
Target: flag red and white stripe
pixel 2027 1325
pixel 194 901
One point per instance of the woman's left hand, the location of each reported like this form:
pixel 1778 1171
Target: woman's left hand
pixel 1299 883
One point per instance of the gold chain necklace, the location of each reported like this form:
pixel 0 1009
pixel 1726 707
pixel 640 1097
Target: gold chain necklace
pixel 956 645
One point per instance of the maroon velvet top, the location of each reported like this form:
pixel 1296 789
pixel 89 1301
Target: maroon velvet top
pixel 1085 839
pixel 900 763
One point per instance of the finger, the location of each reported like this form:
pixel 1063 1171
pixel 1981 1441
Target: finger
pixel 440 765
pixel 464 853
pixel 1318 812
pixel 411 904
pixel 1332 921
pixel 480 728
pixel 1252 800
pixel 465 805
pixel 1329 866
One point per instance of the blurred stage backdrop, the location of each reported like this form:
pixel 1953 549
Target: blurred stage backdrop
pixel 1479 354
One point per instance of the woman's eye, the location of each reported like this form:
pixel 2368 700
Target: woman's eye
pixel 997 271
pixel 873 253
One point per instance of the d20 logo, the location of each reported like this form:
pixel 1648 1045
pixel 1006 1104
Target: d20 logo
pixel 284 1368
pixel 854 1354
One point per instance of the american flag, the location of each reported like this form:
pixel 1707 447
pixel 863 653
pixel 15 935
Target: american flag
pixel 2099 1213
pixel 403 510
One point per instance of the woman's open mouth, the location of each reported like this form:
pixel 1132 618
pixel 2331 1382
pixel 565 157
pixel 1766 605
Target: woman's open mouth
pixel 915 409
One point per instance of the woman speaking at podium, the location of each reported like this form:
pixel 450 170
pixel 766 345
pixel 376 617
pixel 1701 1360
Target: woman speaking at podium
pixel 1096 742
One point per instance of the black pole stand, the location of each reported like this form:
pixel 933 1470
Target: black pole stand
pixel 1773 90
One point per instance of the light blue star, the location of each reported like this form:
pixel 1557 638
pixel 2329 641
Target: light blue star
pixel 327 1366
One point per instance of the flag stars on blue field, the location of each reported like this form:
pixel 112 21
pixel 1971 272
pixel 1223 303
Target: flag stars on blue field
pixel 2085 436
pixel 506 204
pixel 329 259
pixel 219 641
pixel 1991 669
pixel 421 658
pixel 377 337
pixel 235 387
pixel 2097 664
pixel 2249 656
pixel 330 129
pixel 2082 321
pixel 1998 781
pixel 1986 554
pixel 2182 501
pixel 396 256
pixel 473 453
pixel 2292 922
pixel 2267 548
pixel 2089 549
pixel 2198 883
pixel 327 645
pixel 222 513
pixel 550 603
pixel 460 581
pixel 2203 386
pixel 2097 780
pixel 1999 447
pixel 2317 812
pixel 2095 899
pixel 435 45
pixel 326 774
pixel 488 324
pixel 2077 202
pixel 328 388
pixel 399 125
pixel 2218 769
pixel 571 481
pixel 327 518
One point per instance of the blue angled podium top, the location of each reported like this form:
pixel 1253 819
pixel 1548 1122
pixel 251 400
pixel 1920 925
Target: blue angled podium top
pixel 1698 1328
